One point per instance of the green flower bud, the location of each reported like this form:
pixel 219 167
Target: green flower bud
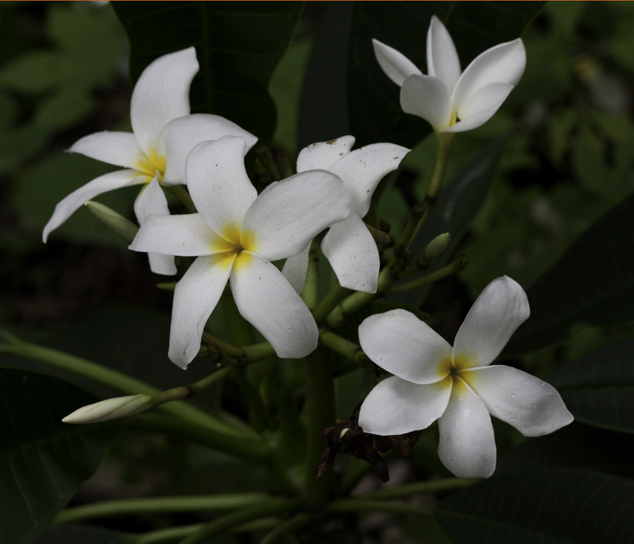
pixel 115 221
pixel 437 246
pixel 111 409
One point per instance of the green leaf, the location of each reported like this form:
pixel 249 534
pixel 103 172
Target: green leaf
pixel 599 388
pixel 79 535
pixel 575 446
pixel 373 99
pixel 42 460
pixel 238 45
pixel 592 283
pixel 553 506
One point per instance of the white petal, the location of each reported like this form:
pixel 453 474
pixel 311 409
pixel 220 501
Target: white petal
pixel 503 63
pixel 531 405
pixel 427 97
pixel 287 216
pixel 160 95
pixel 119 148
pixel 352 253
pixel 442 57
pixel 395 65
pixel 396 406
pixel 267 301
pixel 218 182
pixel 295 269
pixel 481 106
pixel 181 135
pixel 467 443
pixel 322 155
pixel 490 323
pixel 151 200
pixel 182 235
pixel 195 297
pixel 108 182
pixel 402 344
pixel 363 169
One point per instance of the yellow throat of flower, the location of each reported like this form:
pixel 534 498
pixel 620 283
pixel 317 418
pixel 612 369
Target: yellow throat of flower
pixel 236 246
pixel 152 165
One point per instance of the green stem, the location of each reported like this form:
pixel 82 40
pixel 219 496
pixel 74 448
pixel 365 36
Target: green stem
pixel 181 193
pixel 330 301
pixel 222 346
pixel 250 450
pixel 310 293
pixel 443 272
pixel 264 153
pixel 158 505
pixel 320 409
pixel 359 505
pixel 345 347
pixel 228 522
pixel 419 488
pixel 287 528
pixel 111 378
pixel 257 352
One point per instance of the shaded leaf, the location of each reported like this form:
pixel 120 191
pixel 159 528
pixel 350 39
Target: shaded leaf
pixel 599 388
pixel 592 283
pixel 552 506
pixel 79 535
pixel 42 460
pixel 238 45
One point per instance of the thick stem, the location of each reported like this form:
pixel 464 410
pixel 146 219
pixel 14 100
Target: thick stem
pixel 320 399
pixel 345 347
pixel 222 346
pixel 227 501
pixel 330 301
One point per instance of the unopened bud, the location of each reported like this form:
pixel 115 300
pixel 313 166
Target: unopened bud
pixel 111 409
pixel 437 246
pixel 115 221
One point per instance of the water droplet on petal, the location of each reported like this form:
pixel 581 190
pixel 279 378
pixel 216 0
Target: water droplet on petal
pixel 473 440
pixel 512 395
pixel 290 330
pixel 480 430
pixel 534 405
pixel 542 384
pixel 381 357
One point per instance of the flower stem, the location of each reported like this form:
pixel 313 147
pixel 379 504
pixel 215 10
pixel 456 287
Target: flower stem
pixel 227 501
pixel 320 399
pixel 329 303
pixel 183 196
pixel 456 266
pixel 228 522
pixel 310 293
pixel 345 347
pixel 419 488
pixel 222 346
pixel 287 528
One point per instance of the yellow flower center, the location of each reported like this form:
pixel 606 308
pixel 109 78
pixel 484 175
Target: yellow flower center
pixel 452 366
pixel 152 165
pixel 236 246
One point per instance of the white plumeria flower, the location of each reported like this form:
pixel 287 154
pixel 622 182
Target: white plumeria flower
pixel 155 153
pixel 452 101
pixel 431 380
pixel 235 236
pixel 348 245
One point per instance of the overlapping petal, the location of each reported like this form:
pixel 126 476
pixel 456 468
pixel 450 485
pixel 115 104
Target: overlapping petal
pixel 118 148
pixel 108 182
pixel 363 169
pixel 295 269
pixel 493 318
pixel 480 107
pixel 427 97
pixel 195 297
pixel 287 216
pixel 181 135
pixel 395 65
pixel 467 443
pixel 352 253
pixel 182 235
pixel 397 406
pixel 503 63
pixel 402 344
pixel 531 405
pixel 268 301
pixel 322 155
pixel 442 57
pixel 218 183
pixel 151 201
pixel 160 95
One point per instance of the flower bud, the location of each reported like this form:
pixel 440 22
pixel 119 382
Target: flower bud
pixel 111 409
pixel 115 221
pixel 437 246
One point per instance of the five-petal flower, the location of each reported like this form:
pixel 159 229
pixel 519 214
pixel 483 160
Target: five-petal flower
pixel 235 235
pixel 457 386
pixel 452 101
pixel 164 133
pixel 348 245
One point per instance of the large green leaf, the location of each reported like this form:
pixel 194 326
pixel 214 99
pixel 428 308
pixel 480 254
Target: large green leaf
pixel 42 460
pixel 61 534
pixel 593 283
pixel 238 45
pixel 575 446
pixel 599 388
pixel 373 99
pixel 553 506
